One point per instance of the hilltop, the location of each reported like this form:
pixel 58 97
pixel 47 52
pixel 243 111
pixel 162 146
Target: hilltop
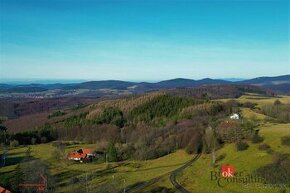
pixel 105 87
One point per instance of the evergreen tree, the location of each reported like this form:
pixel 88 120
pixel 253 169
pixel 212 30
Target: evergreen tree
pixel 112 153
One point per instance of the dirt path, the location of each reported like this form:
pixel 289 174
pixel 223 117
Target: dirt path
pixel 173 174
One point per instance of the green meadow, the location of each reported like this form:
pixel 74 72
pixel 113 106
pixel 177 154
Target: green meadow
pixel 127 172
pixel 197 177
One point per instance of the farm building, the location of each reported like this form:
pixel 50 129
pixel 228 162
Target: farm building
pixel 235 116
pixel 3 190
pixel 81 155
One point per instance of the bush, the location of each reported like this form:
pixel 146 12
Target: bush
pixel 241 146
pixel 277 102
pixel 112 153
pixel 270 151
pixel 59 151
pixel 249 125
pixel 14 143
pixel 33 140
pixel 285 140
pixel 221 157
pixel 43 139
pixel 73 180
pixel 257 139
pixel 56 114
pixel 264 146
pixel 3 119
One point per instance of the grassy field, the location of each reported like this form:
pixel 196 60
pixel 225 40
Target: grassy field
pixel 264 100
pixel 260 100
pixel 250 114
pixel 197 178
pixel 128 172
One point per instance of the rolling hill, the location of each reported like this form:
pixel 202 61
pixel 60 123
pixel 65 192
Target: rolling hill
pixel 278 84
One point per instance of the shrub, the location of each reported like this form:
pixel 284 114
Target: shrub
pixel 73 180
pixel 43 139
pixel 59 151
pixel 248 125
pixel 56 114
pixel 270 151
pixel 221 157
pixel 241 146
pixel 112 153
pixel 277 102
pixel 33 140
pixel 57 155
pixel 2 119
pixel 14 143
pixel 264 146
pixel 257 139
pixel 285 140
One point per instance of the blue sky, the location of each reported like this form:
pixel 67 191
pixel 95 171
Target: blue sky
pixel 143 40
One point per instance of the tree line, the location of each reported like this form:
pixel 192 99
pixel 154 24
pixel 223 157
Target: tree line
pixel 152 129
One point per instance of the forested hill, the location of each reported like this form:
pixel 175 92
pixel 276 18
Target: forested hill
pixel 278 83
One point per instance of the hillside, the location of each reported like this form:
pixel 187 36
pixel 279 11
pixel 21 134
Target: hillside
pixel 267 80
pixel 161 134
pixel 115 87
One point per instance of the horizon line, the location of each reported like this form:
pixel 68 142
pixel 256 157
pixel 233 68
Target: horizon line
pixel 68 81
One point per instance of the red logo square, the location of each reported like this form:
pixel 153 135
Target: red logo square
pixel 228 171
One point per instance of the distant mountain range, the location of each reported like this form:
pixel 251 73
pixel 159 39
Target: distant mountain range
pixel 280 84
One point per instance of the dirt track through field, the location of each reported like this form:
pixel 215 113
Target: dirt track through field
pixel 173 174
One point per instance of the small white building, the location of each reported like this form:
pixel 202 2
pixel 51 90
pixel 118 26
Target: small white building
pixel 235 116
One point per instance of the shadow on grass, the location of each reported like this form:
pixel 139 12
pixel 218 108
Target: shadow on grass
pixel 67 177
pixel 11 160
pixel 154 168
pixel 3 174
pixel 15 153
pixel 67 174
